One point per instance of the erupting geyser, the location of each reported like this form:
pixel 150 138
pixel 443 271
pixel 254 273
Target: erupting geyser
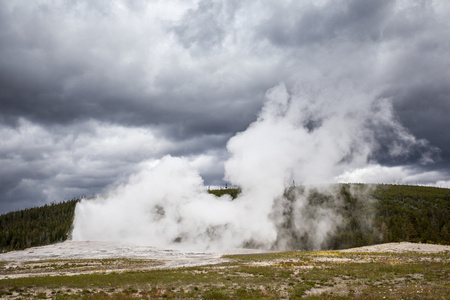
pixel 311 139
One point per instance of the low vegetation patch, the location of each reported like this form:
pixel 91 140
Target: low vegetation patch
pixel 300 274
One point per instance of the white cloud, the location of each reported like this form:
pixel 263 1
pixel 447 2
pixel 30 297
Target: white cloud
pixel 105 85
pixel 66 163
pixel 389 175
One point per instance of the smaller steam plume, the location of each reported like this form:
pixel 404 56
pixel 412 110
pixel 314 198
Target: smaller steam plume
pixel 312 139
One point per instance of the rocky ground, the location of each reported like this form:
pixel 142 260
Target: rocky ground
pixel 385 270
pixel 402 247
pixel 75 257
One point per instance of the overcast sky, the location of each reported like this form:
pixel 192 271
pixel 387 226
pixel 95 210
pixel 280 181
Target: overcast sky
pixel 91 90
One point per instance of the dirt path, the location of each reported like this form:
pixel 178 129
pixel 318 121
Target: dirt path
pixel 402 247
pixel 377 271
pixel 73 258
pixel 99 250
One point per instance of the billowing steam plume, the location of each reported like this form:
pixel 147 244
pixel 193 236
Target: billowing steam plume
pixel 311 139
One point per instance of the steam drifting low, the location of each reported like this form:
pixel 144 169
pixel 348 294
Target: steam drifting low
pixel 312 139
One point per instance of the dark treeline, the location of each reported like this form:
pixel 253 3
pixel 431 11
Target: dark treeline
pixel 413 213
pixel 36 226
pixel 370 214
pixel 373 214
pixel 232 192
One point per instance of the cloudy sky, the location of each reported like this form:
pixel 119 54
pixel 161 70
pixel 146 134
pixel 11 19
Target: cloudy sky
pixel 92 90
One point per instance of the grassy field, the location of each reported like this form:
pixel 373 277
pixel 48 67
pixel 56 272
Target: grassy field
pixel 283 275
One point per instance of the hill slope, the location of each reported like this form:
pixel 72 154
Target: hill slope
pixel 36 226
pixel 370 215
pixel 393 213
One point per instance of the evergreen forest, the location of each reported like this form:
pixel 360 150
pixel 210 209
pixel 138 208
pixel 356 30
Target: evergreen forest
pixel 369 214
pixel 391 213
pixel 36 226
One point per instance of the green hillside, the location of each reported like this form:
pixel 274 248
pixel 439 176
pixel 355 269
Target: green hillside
pixel 413 213
pixel 36 226
pixel 369 215
pixel 393 213
pixel 232 192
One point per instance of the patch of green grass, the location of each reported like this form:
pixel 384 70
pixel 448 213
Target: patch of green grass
pixel 266 276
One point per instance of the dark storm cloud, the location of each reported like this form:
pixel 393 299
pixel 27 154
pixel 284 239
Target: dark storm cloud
pixel 425 113
pixel 60 71
pixel 416 70
pixel 417 74
pixel 90 89
pixel 205 26
pixel 358 20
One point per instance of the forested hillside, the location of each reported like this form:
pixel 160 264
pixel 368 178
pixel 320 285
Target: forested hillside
pixel 36 226
pixel 413 213
pixel 369 215
pixel 393 213
pixel 232 192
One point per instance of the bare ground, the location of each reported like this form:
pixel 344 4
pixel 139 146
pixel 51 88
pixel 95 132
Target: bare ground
pixel 402 247
pixel 74 258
